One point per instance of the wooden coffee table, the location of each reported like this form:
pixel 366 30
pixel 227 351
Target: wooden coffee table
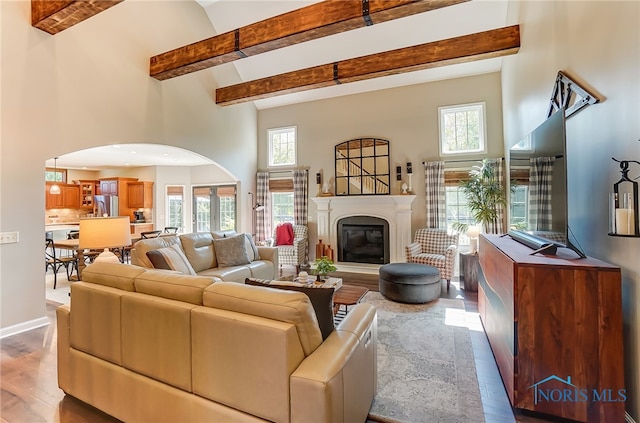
pixel 346 296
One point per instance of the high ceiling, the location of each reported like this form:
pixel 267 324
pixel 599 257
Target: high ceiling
pixel 461 19
pixel 226 15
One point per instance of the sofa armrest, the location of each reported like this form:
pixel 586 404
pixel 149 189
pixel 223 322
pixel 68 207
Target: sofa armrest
pixel 338 381
pixel 63 323
pixel 412 250
pixel 269 254
pixel 450 252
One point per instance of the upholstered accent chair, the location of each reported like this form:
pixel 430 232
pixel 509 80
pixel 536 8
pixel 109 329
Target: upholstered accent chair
pixel 293 255
pixel 436 248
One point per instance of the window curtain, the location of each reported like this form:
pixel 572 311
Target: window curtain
pixel 497 226
pixel 540 172
pixel 263 217
pixel 300 196
pixel 435 195
pixel 301 204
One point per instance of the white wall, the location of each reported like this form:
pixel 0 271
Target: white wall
pixel 406 116
pixel 89 86
pixel 597 43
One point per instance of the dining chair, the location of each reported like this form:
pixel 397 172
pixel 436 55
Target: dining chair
pixel 150 234
pixel 171 230
pixel 55 262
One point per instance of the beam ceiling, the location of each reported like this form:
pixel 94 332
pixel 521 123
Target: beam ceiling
pixel 53 16
pixel 467 48
pixel 308 23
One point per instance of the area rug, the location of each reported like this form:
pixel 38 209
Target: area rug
pixel 63 287
pixel 426 369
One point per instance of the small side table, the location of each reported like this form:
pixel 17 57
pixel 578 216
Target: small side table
pixel 469 271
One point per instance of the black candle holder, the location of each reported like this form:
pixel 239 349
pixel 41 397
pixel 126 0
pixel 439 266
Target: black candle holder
pixel 623 220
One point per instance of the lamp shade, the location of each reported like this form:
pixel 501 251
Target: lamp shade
pixel 105 232
pixel 473 231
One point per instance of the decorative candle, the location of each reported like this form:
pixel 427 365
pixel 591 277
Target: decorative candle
pixel 409 168
pixel 318 178
pixel 398 173
pixel 625 223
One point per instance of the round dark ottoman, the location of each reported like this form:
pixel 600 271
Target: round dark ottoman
pixel 409 282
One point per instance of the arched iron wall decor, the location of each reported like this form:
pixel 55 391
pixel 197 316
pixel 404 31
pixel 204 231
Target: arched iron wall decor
pixel 362 167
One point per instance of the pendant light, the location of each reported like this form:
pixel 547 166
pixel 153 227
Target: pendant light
pixel 55 188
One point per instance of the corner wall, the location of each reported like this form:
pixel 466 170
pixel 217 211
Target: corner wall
pixel 90 86
pixel 596 42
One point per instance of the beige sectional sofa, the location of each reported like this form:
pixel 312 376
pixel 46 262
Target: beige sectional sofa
pixel 199 249
pixel 155 346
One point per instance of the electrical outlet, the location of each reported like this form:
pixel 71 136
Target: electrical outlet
pixel 8 237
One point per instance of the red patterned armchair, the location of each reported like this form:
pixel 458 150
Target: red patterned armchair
pixel 436 248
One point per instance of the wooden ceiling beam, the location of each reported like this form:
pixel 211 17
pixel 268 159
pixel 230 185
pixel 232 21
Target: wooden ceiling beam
pixel 308 23
pixel 53 16
pixel 467 48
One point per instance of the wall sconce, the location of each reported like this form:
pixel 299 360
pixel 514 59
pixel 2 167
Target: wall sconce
pixel 623 204
pixel 255 207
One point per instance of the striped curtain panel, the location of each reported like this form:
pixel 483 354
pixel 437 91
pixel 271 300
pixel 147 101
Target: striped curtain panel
pixel 263 217
pixel 300 196
pixel 540 172
pixel 435 195
pixel 498 225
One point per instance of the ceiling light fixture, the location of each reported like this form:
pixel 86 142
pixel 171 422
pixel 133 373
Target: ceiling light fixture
pixel 55 188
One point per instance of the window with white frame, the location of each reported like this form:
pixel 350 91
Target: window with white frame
pixel 462 129
pixel 175 207
pixel 457 210
pixel 519 207
pixel 281 207
pixel 282 146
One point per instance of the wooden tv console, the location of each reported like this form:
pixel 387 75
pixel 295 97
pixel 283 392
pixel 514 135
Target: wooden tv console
pixel 554 324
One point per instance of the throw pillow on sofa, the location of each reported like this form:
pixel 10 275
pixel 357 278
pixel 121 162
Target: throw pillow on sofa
pixel 170 258
pixel 231 251
pixel 321 300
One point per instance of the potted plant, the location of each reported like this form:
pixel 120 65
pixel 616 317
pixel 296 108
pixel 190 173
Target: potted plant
pixel 484 193
pixel 324 266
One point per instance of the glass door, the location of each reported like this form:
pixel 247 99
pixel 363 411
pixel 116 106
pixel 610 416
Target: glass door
pixel 214 208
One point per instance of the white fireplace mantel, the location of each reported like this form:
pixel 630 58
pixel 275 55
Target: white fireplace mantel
pixel 395 209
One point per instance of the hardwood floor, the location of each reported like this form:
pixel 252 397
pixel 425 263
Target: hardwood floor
pixel 30 393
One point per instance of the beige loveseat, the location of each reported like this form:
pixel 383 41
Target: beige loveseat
pixel 155 346
pixel 199 249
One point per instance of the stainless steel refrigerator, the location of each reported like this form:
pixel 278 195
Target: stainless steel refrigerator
pixel 106 205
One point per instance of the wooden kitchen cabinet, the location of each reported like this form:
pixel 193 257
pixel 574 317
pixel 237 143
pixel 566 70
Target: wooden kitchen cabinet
pixel 109 187
pixel 140 195
pixel 69 197
pixel 88 188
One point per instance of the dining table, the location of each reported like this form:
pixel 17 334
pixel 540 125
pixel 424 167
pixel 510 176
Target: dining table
pixel 74 246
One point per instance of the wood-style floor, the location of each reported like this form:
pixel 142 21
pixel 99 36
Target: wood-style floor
pixel 30 392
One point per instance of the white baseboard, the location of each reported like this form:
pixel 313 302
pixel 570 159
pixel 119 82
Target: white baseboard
pixel 628 418
pixel 24 326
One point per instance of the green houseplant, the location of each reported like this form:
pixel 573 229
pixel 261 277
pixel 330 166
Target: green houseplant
pixel 484 194
pixel 324 266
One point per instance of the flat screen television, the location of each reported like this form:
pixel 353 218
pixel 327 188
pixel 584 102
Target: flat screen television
pixel 538 178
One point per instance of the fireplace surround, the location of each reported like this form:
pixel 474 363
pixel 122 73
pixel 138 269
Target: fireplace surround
pixel 394 209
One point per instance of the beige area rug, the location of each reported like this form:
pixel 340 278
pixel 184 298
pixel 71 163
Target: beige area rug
pixel 426 368
pixel 63 287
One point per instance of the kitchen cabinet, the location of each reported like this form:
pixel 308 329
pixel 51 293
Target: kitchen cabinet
pixel 109 187
pixel 138 228
pixel 69 197
pixel 140 195
pixel 88 188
